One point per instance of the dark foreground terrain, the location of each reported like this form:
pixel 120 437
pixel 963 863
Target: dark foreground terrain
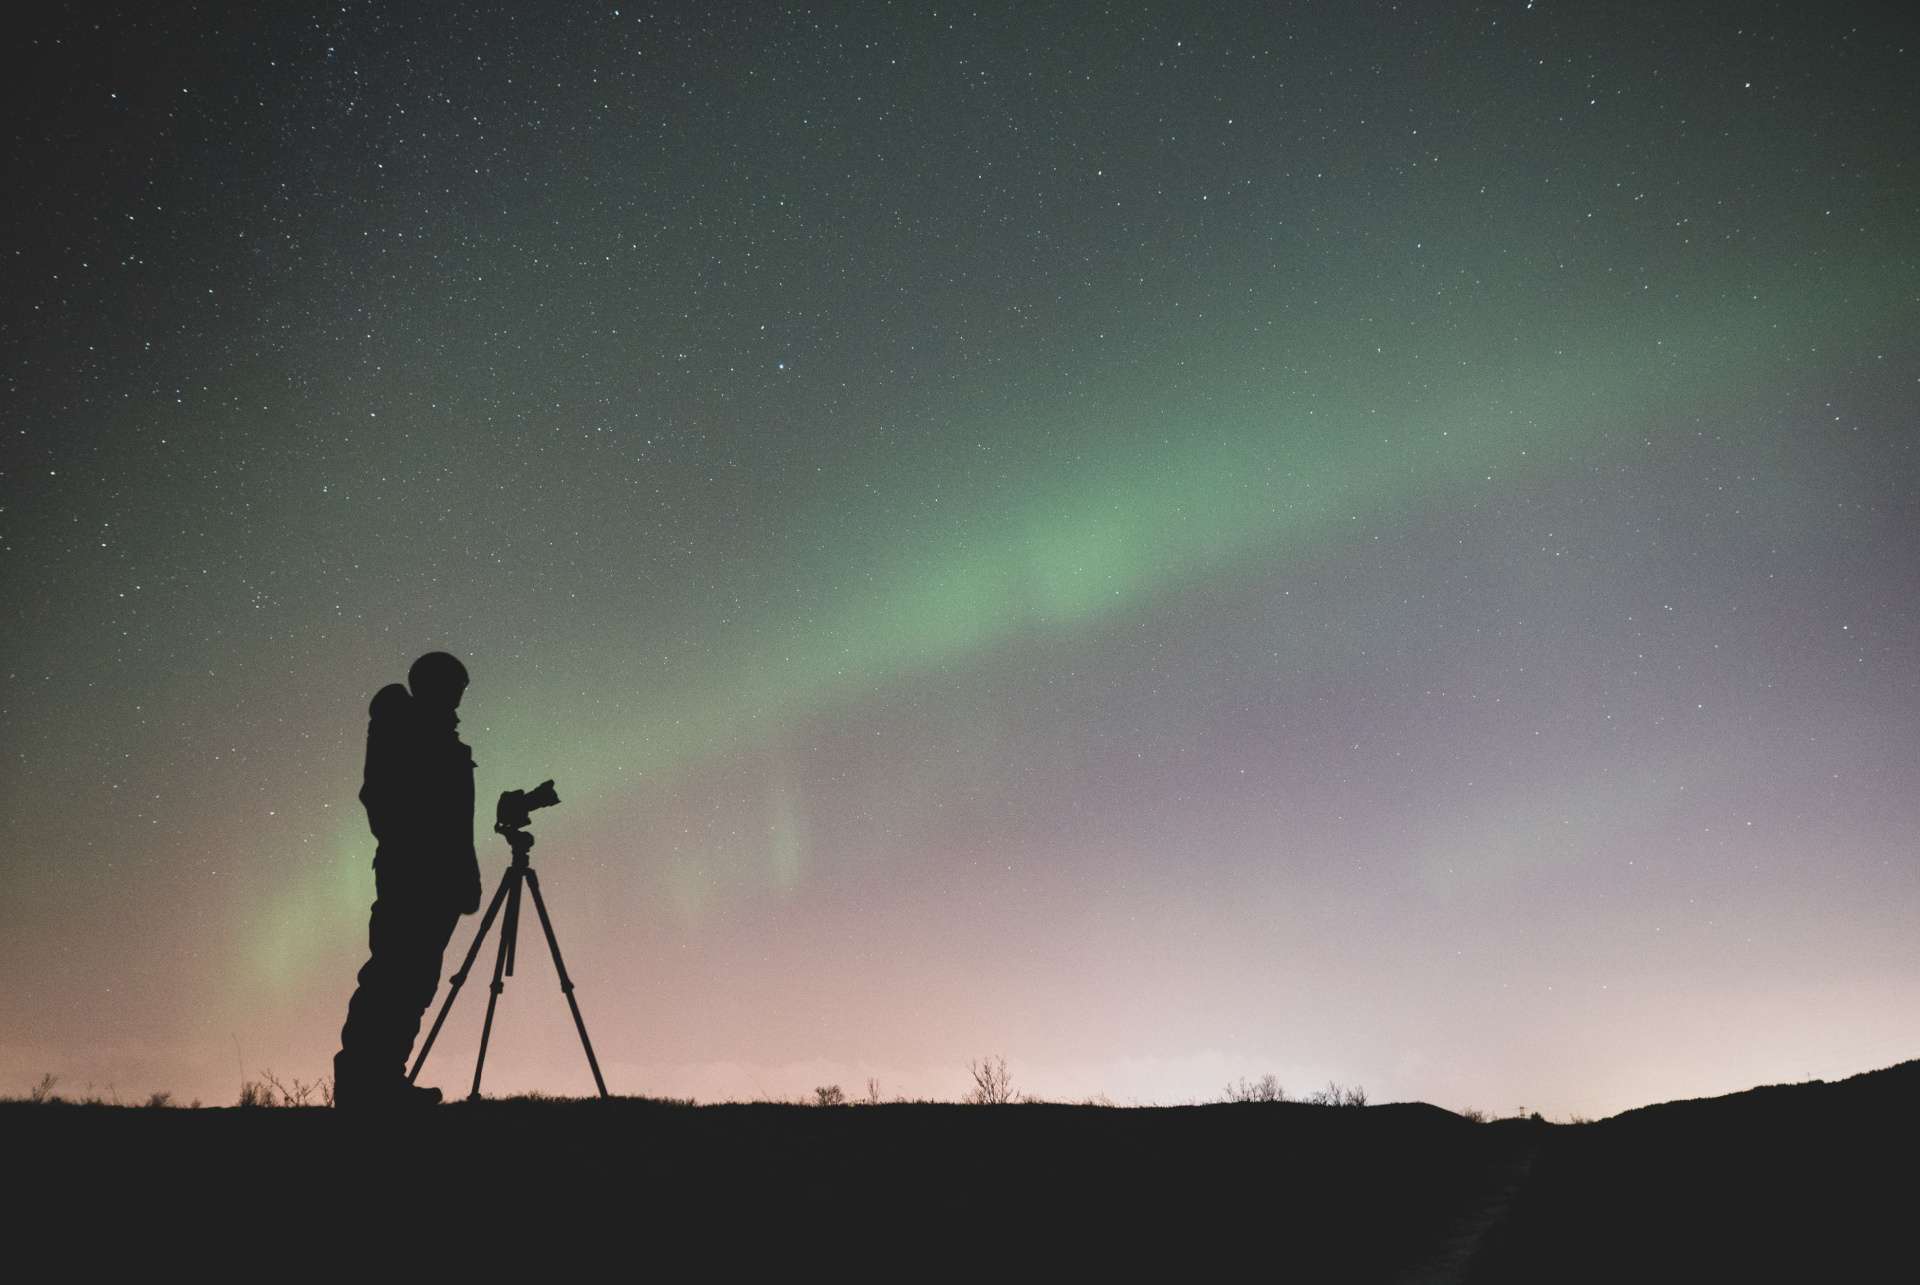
pixel 1812 1178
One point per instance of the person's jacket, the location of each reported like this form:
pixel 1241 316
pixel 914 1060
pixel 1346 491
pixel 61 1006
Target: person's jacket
pixel 418 792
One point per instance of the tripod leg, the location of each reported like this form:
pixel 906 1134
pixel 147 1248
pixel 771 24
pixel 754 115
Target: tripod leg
pixel 507 928
pixel 566 982
pixel 459 979
pixel 513 929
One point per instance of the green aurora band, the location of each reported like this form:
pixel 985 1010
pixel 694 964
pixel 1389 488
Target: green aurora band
pixel 1154 495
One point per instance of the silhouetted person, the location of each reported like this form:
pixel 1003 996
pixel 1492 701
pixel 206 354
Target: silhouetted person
pixel 418 792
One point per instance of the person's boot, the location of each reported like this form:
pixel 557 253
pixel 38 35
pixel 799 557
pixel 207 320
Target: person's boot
pixel 355 1089
pixel 393 1095
pixel 418 1095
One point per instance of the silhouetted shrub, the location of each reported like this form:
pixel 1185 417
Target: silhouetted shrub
pixel 829 1095
pixel 1335 1095
pixel 1265 1089
pixel 298 1093
pixel 992 1085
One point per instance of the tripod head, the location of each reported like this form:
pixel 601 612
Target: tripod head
pixel 511 816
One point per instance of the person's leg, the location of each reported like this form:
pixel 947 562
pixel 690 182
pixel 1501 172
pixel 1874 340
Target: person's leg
pixel 372 1052
pixel 407 937
pixel 429 928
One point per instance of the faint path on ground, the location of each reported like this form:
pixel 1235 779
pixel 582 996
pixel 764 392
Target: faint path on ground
pixel 1448 1266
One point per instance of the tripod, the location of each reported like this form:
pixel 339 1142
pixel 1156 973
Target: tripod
pixel 518 873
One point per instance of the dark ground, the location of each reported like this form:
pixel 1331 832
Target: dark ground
pixel 1762 1185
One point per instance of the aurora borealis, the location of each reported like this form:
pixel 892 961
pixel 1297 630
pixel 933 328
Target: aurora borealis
pixel 1165 543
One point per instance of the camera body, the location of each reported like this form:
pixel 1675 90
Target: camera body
pixel 512 812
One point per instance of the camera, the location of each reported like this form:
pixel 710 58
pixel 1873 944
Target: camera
pixel 512 811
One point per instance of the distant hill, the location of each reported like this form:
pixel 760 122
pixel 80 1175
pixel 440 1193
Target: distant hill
pixel 1811 1182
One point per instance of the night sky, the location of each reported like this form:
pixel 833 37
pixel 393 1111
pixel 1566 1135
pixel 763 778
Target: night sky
pixel 1164 542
